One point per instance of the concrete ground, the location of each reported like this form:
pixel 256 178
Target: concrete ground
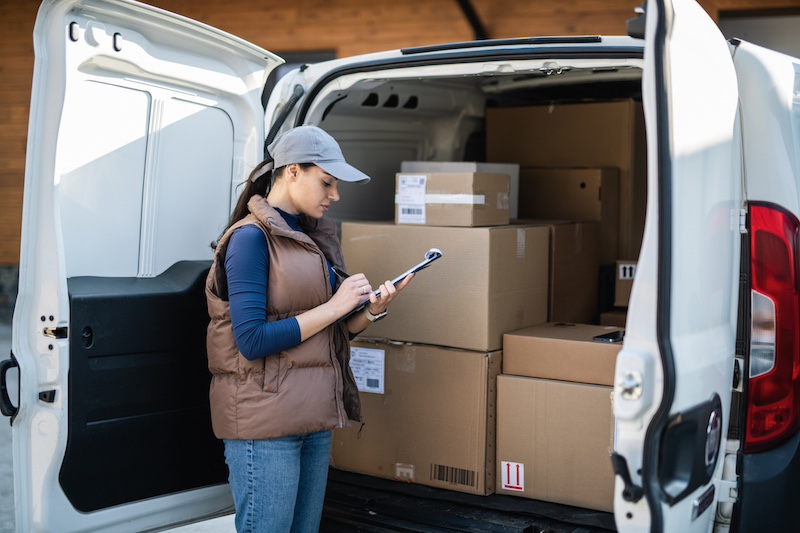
pixel 6 464
pixel 219 525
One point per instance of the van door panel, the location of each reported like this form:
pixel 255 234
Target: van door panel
pixel 143 126
pixel 683 306
pixel 145 430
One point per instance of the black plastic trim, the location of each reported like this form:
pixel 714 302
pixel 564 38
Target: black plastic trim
pixel 138 415
pixel 652 441
pixel 684 465
pixel 501 42
pixel 6 407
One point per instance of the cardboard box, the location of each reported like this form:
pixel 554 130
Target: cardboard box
pixel 574 270
pixel 452 199
pixel 561 351
pixel 489 280
pixel 615 317
pixel 592 135
pixel 554 441
pixel 512 169
pixel 575 194
pixel 431 419
pixel 626 270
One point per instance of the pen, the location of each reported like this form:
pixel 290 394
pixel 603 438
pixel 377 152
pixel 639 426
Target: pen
pixel 341 273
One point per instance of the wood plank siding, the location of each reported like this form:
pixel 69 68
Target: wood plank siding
pixel 344 27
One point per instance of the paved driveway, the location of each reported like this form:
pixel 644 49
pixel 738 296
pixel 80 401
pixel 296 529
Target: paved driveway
pixel 6 465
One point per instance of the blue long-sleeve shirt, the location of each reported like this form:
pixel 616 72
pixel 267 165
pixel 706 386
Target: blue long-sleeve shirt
pixel 247 269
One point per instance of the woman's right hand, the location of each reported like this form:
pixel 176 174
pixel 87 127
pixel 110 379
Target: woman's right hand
pixel 353 291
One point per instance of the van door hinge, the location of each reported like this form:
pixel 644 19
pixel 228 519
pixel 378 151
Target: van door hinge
pixel 743 221
pixel 55 333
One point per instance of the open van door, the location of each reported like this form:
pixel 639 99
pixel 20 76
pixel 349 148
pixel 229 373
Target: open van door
pixel 142 125
pixel 674 374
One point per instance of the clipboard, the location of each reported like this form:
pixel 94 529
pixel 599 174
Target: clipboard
pixel 430 256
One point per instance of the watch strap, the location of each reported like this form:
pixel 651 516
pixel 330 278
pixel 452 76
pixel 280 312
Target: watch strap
pixel 374 318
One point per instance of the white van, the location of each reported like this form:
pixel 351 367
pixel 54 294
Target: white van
pixel 144 124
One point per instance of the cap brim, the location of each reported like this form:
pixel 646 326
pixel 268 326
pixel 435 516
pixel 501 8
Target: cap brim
pixel 343 171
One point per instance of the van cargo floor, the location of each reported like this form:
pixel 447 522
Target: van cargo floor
pixel 358 503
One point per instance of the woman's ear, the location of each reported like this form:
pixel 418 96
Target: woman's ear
pixel 292 170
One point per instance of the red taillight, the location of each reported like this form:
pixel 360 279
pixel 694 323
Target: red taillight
pixel 773 394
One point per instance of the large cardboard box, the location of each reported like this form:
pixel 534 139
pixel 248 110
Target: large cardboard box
pixel 452 199
pixel 429 416
pixel 561 351
pixel 512 169
pixel 593 135
pixel 574 270
pixel 554 441
pixel 575 194
pixel 489 280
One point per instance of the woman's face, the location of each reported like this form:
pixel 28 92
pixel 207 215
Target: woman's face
pixel 313 190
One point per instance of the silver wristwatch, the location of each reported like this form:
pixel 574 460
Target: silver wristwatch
pixel 374 318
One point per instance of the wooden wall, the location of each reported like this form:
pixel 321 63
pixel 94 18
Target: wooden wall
pixel 345 27
pixel 16 69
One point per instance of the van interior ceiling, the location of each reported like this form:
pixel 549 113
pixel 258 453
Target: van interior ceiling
pixel 384 119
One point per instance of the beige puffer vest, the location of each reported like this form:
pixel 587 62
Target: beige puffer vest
pixel 307 388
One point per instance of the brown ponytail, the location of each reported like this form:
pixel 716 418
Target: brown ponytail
pixel 260 186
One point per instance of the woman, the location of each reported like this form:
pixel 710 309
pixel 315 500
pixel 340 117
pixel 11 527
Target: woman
pixel 277 347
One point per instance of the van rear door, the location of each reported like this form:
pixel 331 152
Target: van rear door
pixel 142 124
pixel 674 373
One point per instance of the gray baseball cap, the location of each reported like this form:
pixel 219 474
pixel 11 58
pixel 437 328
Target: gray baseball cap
pixel 310 144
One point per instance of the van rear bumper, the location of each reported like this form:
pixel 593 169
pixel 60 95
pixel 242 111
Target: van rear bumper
pixel 769 490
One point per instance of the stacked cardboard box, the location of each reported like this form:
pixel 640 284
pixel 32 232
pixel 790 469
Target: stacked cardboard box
pixel 581 201
pixel 623 284
pixel 512 169
pixel 555 426
pixel 429 416
pixel 626 270
pixel 582 194
pixel 428 387
pixel 489 280
pixel 452 199
pixel 603 135
pixel 574 269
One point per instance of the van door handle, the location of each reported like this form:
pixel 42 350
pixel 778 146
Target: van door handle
pixel 6 407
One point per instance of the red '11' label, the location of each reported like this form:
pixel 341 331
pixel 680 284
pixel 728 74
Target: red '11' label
pixel 513 476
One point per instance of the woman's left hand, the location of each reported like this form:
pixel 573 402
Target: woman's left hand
pixel 377 304
pixel 388 291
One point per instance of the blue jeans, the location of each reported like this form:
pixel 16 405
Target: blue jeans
pixel 279 484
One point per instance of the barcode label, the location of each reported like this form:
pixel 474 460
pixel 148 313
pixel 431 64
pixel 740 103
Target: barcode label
pixel 410 198
pixel 367 365
pixel 456 476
